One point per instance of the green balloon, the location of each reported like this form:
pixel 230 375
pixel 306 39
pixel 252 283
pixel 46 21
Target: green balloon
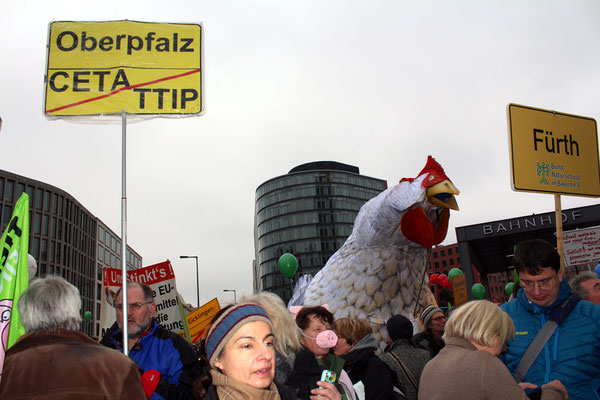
pixel 453 272
pixel 509 288
pixel 87 315
pixel 288 265
pixel 478 291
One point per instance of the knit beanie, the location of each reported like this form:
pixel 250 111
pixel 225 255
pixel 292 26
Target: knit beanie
pixel 427 313
pixel 399 327
pixel 228 324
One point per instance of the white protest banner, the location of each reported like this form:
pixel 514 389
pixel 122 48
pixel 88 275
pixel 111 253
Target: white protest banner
pixel 582 246
pixel 161 278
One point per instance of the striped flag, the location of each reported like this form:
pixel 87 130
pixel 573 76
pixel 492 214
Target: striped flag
pixel 14 275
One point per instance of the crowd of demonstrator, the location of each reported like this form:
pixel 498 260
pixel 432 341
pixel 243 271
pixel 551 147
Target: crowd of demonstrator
pixel 256 349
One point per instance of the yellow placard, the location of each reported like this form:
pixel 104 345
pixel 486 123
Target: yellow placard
pixel 201 317
pixel 459 286
pixel 96 68
pixel 553 152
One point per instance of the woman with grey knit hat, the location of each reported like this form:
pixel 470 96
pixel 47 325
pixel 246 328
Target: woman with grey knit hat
pixel 240 350
pixel 434 322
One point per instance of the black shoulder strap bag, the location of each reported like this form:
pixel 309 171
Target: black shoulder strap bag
pixel 557 317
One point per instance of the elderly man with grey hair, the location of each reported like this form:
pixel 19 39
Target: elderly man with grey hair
pixel 587 285
pixel 54 360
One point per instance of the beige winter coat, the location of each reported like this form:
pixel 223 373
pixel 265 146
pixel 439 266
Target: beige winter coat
pixel 460 371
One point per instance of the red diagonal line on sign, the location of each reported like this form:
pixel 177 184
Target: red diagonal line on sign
pixel 168 78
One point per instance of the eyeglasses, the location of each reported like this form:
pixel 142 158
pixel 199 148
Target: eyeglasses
pixel 504 347
pixel 132 306
pixel 543 284
pixel 439 319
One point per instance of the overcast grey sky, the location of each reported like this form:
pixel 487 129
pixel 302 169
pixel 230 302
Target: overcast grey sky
pixel 376 84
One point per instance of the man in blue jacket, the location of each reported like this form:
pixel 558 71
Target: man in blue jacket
pixel 168 364
pixel 572 354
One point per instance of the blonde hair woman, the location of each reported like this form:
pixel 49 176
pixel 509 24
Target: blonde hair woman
pixel 287 333
pixel 468 367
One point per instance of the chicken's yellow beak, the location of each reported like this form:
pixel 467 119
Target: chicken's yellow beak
pixel 442 194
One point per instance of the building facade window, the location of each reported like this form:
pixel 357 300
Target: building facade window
pixel 64 237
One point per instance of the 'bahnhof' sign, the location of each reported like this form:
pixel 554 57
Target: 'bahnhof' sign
pixel 489 246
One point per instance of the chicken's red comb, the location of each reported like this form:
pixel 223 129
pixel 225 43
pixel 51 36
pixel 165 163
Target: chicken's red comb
pixel 435 171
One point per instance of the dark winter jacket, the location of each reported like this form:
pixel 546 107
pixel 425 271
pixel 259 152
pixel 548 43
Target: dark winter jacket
pixel 413 358
pixel 164 351
pixel 425 340
pixel 362 365
pixel 283 367
pixel 307 372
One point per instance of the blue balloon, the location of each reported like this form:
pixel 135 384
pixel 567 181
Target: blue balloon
pixel 597 270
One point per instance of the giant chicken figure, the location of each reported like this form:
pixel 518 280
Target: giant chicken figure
pixel 380 268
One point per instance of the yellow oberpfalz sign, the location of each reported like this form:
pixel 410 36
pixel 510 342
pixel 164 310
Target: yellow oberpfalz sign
pixel 553 152
pixel 96 68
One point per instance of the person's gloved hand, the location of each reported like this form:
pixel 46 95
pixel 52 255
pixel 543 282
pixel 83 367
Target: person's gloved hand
pixel 150 381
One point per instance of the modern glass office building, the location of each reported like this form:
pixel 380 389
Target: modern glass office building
pixel 309 213
pixel 66 239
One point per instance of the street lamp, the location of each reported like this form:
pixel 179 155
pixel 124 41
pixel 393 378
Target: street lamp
pixel 197 278
pixel 234 296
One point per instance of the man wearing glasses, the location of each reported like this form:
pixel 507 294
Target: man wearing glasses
pixel 168 364
pixel 572 354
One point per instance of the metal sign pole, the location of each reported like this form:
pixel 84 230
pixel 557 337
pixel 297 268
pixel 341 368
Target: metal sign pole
pixel 124 230
pixel 559 231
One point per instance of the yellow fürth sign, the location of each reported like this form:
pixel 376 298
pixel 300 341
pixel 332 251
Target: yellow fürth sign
pixel 553 152
pixel 109 67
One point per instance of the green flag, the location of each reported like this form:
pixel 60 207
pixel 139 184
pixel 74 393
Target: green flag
pixel 14 274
